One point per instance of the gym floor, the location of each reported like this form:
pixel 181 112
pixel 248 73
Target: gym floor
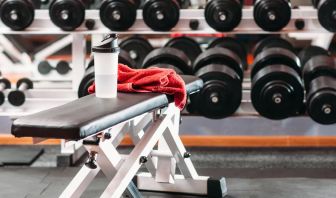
pixel 250 173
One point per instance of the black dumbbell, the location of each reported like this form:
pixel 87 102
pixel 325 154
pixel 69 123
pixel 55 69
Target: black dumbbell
pixel 168 58
pixel 138 48
pixel 188 45
pixel 89 75
pixel 232 44
pixel 18 97
pixel 4 84
pixel 119 15
pixel 161 15
pixel 326 13
pixel 272 15
pixel 223 15
pixel 18 14
pixel 221 69
pixel 68 14
pixel 277 91
pixel 319 74
pixel 61 68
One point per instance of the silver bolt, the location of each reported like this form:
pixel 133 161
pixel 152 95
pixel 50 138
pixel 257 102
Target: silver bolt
pixel 214 98
pixel 159 15
pixel 271 16
pixel 116 15
pixel 65 14
pixel 327 109
pixel 222 16
pixel 277 98
pixel 14 15
pixel 133 54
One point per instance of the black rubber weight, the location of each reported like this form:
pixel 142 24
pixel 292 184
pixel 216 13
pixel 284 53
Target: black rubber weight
pixel 161 15
pixel 17 14
pixel 138 48
pixel 234 45
pixel 272 15
pixel 118 15
pixel 188 45
pixel 169 56
pixel 223 16
pixel 67 14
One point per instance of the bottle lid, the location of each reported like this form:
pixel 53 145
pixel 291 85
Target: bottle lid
pixel 108 45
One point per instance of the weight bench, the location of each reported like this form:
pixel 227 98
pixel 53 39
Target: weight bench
pixel 151 120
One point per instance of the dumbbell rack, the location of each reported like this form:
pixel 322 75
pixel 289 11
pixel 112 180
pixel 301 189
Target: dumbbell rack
pixel 39 99
pixel 43 25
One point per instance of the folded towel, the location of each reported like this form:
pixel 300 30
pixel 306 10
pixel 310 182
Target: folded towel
pixel 154 79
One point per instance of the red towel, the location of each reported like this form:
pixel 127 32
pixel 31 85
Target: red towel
pixel 158 80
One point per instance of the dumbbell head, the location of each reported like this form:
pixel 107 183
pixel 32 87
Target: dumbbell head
pixel 17 97
pixel 189 46
pixel 161 15
pixel 138 48
pixel 221 94
pixel 321 100
pixel 17 14
pixel 272 15
pixel 310 52
pixel 326 13
pixel 169 56
pixel 223 16
pixel 277 92
pixel 275 53
pixel 272 42
pixel 5 84
pixel 89 75
pixel 67 14
pixel 63 67
pixel 233 45
pixel 221 56
pixel 118 15
pixel 44 67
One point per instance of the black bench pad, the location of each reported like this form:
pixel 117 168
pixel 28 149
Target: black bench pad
pixel 89 115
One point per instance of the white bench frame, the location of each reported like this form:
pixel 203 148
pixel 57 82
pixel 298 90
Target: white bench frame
pixel 155 129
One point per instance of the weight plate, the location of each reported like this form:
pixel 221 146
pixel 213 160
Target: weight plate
pixel 327 14
pixel 17 14
pixel 67 14
pixel 320 65
pixel 63 67
pixel 138 48
pixel 44 67
pixel 272 42
pixel 161 15
pixel 118 15
pixel 2 98
pixel 272 15
pixel 221 94
pixel 276 56
pixel 29 83
pixel 187 45
pixel 6 82
pixel 277 92
pixel 310 52
pixel 232 44
pixel 170 56
pixel 219 56
pixel 16 98
pixel 223 16
pixel 321 100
